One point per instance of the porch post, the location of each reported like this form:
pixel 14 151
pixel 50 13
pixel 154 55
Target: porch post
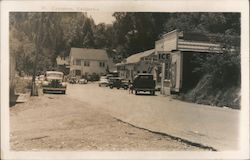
pixel 162 77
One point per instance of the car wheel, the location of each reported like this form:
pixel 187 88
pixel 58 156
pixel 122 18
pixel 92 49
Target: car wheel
pixel 118 87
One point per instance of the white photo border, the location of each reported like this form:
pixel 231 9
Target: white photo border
pixel 126 6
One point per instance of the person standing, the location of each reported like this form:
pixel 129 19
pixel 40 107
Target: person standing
pixel 130 87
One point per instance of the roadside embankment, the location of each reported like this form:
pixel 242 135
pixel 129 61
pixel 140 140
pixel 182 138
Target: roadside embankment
pixel 205 93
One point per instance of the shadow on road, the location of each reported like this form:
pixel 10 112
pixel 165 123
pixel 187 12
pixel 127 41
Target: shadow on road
pixel 54 93
pixel 144 94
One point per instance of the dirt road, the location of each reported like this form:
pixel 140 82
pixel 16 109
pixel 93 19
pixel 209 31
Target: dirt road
pixel 207 125
pixel 54 122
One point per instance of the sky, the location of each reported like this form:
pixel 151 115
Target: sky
pixel 102 17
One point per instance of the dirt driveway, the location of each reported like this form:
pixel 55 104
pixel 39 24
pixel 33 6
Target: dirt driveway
pixel 54 122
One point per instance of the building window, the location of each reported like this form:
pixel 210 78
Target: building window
pixel 102 64
pixel 86 63
pixel 78 62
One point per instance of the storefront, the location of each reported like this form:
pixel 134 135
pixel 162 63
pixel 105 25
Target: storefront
pixel 177 54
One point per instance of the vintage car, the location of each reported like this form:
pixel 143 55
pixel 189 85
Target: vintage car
pixel 53 82
pixel 73 80
pixel 117 82
pixel 144 82
pixel 39 80
pixel 83 81
pixel 103 81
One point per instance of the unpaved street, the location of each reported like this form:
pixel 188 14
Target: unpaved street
pixel 207 125
pixel 58 122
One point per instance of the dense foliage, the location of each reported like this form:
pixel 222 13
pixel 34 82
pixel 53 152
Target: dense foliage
pixel 130 33
pixel 47 35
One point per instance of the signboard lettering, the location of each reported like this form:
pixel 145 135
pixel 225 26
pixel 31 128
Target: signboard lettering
pixel 163 56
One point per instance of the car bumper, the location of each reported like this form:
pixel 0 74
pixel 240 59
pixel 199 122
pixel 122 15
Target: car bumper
pixel 103 84
pixel 144 89
pixel 54 89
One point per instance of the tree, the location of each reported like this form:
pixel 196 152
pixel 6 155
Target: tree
pixel 135 32
pixel 88 38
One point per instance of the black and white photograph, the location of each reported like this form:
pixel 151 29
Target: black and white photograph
pixel 85 79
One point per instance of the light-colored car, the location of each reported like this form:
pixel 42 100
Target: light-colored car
pixel 103 81
pixel 53 82
pixel 83 81
pixel 39 80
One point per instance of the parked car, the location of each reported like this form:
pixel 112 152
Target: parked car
pixel 144 83
pixel 103 81
pixel 117 82
pixel 53 82
pixel 39 80
pixel 73 80
pixel 83 81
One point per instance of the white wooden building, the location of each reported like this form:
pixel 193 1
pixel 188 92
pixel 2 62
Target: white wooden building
pixel 142 62
pixel 85 61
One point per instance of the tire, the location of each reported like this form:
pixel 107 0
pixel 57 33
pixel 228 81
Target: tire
pixel 118 87
pixel 111 87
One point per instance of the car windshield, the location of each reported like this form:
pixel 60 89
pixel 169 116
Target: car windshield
pixel 146 77
pixel 56 75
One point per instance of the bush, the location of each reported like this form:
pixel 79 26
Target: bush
pixel 220 83
pixel 23 85
pixel 223 69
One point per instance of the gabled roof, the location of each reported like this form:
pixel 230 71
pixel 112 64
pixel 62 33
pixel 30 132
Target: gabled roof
pixel 135 58
pixel 88 54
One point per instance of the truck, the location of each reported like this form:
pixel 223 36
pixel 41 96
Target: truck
pixel 144 82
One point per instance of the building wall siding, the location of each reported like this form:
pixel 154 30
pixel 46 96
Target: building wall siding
pixel 168 42
pixel 94 67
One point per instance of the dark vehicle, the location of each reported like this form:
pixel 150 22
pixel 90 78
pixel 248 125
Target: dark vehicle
pixel 73 80
pixel 53 82
pixel 117 82
pixel 144 82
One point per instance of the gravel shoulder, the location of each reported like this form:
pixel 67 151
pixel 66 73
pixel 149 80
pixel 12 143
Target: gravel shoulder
pixel 54 122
